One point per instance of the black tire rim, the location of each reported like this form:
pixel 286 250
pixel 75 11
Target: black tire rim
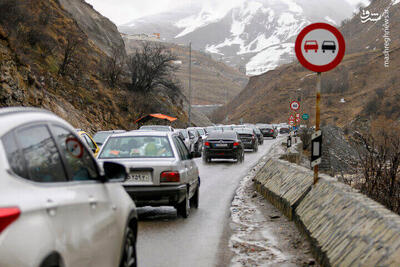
pixel 129 250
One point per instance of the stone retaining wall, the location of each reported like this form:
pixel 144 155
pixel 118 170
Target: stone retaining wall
pixel 345 228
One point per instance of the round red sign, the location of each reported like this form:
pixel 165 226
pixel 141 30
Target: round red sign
pixel 294 105
pixel 320 47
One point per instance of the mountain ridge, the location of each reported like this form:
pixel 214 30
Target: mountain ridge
pixel 257 35
pixel 361 86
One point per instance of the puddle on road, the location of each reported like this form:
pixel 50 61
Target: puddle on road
pixel 261 235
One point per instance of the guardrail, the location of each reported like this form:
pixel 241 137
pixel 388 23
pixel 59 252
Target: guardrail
pixel 344 227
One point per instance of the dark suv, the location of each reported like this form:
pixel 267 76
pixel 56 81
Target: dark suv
pixel 248 138
pixel 223 144
pixel 284 130
pixel 268 131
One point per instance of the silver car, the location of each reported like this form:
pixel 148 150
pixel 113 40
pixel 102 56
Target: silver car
pixel 57 208
pixel 161 169
pixel 189 143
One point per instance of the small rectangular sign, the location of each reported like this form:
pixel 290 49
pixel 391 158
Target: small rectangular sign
pixel 316 148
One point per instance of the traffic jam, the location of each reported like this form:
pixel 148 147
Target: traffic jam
pixel 66 190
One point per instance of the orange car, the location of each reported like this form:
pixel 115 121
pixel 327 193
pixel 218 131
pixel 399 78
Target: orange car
pixel 311 45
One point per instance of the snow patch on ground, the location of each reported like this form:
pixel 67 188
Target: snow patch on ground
pixel 192 23
pixel 394 2
pixel 293 6
pixel 268 59
pixel 286 19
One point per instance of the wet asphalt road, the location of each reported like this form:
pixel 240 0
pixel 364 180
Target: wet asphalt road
pixel 165 239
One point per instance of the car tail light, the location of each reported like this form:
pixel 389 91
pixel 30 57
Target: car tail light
pixel 207 143
pixel 7 216
pixel 236 144
pixel 169 177
pixel 272 131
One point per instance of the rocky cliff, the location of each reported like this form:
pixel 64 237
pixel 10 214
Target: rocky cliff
pixel 35 36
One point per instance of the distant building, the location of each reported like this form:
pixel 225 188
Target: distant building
pixel 155 37
pixel 242 69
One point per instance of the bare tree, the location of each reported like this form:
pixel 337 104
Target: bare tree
pixel 151 66
pixel 379 153
pixel 70 50
pixel 113 68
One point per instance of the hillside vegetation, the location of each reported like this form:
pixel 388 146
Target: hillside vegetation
pixel 361 86
pixel 213 82
pixel 48 60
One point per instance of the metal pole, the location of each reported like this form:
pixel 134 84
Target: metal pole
pixel 190 84
pixel 317 118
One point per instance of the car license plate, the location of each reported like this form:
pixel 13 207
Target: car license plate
pixel 140 177
pixel 221 145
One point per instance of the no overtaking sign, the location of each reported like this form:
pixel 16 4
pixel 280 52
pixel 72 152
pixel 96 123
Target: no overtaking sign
pixel 320 47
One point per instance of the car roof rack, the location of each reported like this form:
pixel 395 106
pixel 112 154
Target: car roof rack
pixel 12 110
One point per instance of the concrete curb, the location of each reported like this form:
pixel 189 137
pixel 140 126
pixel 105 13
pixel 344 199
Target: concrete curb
pixel 344 227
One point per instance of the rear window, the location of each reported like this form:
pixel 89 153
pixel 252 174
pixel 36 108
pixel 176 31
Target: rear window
pixel 156 128
pixel 244 131
pixel 222 135
pixel 137 147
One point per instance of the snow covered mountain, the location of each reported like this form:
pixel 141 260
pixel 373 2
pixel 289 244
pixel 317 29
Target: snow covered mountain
pixel 252 35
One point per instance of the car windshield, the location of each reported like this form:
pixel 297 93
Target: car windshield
pixel 137 147
pixel 193 132
pixel 100 137
pixel 201 131
pixel 185 134
pixel 156 128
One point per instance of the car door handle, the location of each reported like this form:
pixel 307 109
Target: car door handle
pixel 92 202
pixel 51 207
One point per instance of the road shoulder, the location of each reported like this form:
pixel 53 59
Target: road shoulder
pixel 259 234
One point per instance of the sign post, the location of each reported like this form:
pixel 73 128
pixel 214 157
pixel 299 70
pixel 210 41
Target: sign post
pixel 319 47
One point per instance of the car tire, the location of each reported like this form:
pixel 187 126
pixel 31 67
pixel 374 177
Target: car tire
pixel 255 149
pixel 242 158
pixel 205 159
pixel 194 201
pixel 183 208
pixel 129 258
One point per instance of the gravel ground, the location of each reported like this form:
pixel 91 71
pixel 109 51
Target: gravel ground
pixel 260 234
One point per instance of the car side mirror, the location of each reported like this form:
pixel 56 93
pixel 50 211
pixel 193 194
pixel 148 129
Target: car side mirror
pixel 114 172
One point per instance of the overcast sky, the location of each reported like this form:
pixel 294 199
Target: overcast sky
pixel 123 11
